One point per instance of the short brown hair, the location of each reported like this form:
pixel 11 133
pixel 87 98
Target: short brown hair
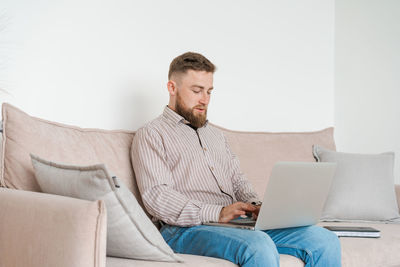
pixel 190 61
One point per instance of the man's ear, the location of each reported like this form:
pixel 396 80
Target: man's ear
pixel 172 87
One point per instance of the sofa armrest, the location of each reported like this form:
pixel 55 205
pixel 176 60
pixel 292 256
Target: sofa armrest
pixel 397 189
pixel 38 229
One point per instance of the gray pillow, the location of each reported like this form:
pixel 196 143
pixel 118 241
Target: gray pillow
pixel 130 233
pixel 362 188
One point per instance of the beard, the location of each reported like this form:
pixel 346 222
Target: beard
pixel 188 113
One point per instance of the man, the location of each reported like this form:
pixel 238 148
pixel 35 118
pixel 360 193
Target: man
pixel 187 175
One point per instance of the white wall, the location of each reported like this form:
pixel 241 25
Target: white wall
pixel 367 77
pixel 104 63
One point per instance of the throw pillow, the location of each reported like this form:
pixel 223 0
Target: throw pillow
pixel 362 188
pixel 130 233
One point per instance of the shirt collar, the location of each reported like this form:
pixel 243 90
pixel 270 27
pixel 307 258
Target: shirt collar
pixel 174 117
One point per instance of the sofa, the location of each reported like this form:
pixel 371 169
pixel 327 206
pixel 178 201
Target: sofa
pixel 41 229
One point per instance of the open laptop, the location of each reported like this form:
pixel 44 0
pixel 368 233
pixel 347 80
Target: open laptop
pixel 295 196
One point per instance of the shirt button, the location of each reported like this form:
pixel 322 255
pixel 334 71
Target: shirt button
pixel 205 149
pixel 212 168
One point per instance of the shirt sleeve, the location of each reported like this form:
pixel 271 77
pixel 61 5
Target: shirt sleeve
pixel 156 185
pixel 241 186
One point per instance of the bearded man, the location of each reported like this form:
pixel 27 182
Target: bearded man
pixel 187 175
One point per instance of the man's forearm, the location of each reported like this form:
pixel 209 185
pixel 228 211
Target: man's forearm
pixel 174 208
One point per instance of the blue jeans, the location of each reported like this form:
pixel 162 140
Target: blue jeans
pixel 314 245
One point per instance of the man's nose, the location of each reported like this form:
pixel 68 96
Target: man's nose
pixel 205 98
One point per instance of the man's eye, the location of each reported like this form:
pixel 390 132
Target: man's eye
pixel 209 92
pixel 196 92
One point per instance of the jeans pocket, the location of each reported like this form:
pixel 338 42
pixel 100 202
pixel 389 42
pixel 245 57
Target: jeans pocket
pixel 169 231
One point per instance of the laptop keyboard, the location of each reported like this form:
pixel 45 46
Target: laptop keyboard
pixel 243 221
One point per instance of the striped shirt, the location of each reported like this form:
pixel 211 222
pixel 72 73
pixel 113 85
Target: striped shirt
pixel 186 176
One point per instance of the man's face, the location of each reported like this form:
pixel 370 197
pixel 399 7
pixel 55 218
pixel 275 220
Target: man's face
pixel 193 95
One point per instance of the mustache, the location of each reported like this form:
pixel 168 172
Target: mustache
pixel 200 106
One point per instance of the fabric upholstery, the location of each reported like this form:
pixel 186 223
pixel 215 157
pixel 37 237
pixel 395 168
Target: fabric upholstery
pixel 362 188
pixel 189 261
pixel 24 134
pixel 355 252
pixel 193 260
pixel 383 251
pixel 259 151
pixel 38 229
pixel 130 233
pixel 256 151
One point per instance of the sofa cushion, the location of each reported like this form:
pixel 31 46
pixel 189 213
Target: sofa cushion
pixel 24 134
pixel 130 233
pixel 190 260
pixel 39 229
pixel 259 151
pixel 193 260
pixel 383 251
pixel 362 188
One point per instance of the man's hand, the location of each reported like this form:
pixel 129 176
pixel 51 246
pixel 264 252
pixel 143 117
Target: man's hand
pixel 255 213
pixel 235 210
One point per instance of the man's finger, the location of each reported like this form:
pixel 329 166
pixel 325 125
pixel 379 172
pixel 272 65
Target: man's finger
pixel 247 207
pixel 239 212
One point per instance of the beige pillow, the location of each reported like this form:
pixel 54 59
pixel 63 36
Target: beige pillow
pixel 259 151
pixel 24 134
pixel 362 188
pixel 130 233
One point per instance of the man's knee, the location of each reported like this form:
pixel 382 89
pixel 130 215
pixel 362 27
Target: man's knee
pixel 330 241
pixel 328 250
pixel 259 249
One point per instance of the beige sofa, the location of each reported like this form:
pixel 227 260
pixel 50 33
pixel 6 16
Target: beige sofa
pixel 38 229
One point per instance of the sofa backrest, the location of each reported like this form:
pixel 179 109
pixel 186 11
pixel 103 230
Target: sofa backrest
pixel 259 151
pixel 24 134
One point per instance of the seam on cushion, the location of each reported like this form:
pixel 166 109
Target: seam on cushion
pixel 3 148
pixel 93 167
pixel 329 129
pixel 68 126
pixel 96 167
pixel 97 237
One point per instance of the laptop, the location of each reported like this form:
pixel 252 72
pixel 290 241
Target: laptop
pixel 295 196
